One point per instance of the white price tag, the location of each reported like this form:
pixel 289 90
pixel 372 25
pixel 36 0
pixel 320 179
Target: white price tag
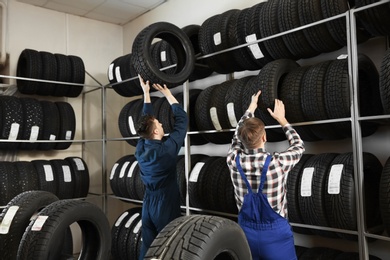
pixel 254 48
pixel 7 220
pixel 48 172
pixel 67 173
pixel 121 217
pixel 131 220
pixel 231 114
pixel 110 71
pixel 132 126
pixel 214 118
pixel 217 38
pixel 163 56
pixel 118 74
pixel 131 170
pixel 13 134
pixel 34 133
pixel 306 181
pixel 39 222
pixel 334 181
pixel 113 170
pixel 79 164
pixel 195 171
pixel 123 169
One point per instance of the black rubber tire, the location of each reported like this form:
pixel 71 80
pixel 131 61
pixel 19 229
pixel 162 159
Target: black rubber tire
pixel 375 20
pixel 179 41
pixel 11 126
pixel 64 74
pixel 48 181
pixel 78 76
pixel 124 224
pixel 93 223
pixel 293 177
pixel 318 36
pixel 269 25
pixel 65 178
pixel 384 82
pixel 16 216
pixel 28 177
pixel 312 207
pixel 201 69
pixel 51 125
pixel 29 66
pixel 214 238
pixel 32 123
pixel 67 125
pixel 81 176
pixel 49 72
pixel 384 195
pixel 9 181
pixel 296 42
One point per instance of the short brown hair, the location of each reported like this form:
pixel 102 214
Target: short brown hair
pixel 146 126
pixel 250 132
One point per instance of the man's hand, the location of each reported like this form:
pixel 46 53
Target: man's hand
pixel 253 105
pixel 166 92
pixel 145 85
pixel 279 113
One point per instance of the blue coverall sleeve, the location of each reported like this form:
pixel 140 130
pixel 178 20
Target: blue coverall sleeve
pixel 177 135
pixel 148 109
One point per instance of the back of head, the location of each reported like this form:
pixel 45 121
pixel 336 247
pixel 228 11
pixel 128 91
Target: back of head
pixel 250 132
pixel 145 126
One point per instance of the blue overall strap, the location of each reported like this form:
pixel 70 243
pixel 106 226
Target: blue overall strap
pixel 241 171
pixel 264 173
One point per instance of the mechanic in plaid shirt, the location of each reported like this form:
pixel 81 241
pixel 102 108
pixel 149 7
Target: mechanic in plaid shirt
pixel 248 145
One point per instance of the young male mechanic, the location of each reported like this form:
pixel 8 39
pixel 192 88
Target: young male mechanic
pixel 259 180
pixel 157 156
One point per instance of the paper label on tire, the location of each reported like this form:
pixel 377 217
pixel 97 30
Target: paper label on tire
pixel 39 222
pixel 79 164
pixel 214 118
pixel 195 171
pixel 163 56
pixel 131 220
pixel 137 227
pixel 110 70
pixel 131 170
pixel 67 173
pixel 118 74
pixel 306 181
pixel 334 181
pixel 113 170
pixel 217 38
pixel 48 172
pixel 254 48
pixel 123 169
pixel 34 133
pixel 131 125
pixel 231 114
pixel 14 131
pixel 52 137
pixel 121 217
pixel 7 220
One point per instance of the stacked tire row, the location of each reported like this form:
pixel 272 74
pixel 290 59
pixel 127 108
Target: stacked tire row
pixel 32 120
pixel 163 55
pixel 131 112
pixel 42 65
pixel 321 192
pixel 37 225
pixel 304 253
pixel 384 82
pixel 126 235
pixel 207 173
pixel 67 178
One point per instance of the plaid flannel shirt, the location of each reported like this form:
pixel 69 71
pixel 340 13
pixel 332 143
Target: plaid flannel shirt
pixel 252 161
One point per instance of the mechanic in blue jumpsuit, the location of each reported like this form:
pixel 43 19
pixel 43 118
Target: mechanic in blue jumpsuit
pixel 157 155
pixel 259 180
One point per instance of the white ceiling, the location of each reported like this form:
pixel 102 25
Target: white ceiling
pixel 111 11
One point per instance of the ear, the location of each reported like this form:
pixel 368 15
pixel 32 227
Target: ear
pixel 155 131
pixel 264 137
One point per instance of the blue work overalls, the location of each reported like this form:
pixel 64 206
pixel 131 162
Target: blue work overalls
pixel 269 234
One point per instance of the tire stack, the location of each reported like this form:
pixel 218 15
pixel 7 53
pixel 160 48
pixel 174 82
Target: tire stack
pixel 126 235
pixel 131 113
pixel 124 78
pixel 321 192
pixel 68 178
pixel 36 225
pixel 32 120
pixel 42 65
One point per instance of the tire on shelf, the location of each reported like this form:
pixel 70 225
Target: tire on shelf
pixel 179 41
pixel 49 72
pixel 214 237
pixel 29 66
pixel 385 82
pixel 67 125
pixel 50 125
pixel 57 217
pixel 16 216
pixel 80 174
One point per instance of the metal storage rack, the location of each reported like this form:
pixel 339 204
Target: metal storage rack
pixel 355 119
